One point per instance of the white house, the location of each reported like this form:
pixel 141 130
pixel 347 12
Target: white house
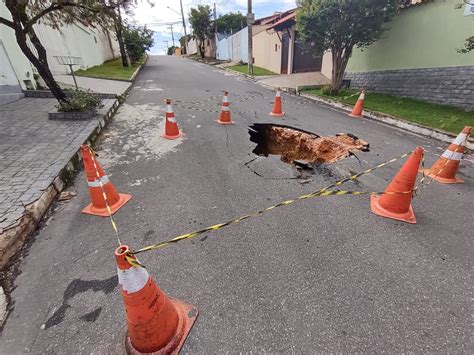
pixel 92 45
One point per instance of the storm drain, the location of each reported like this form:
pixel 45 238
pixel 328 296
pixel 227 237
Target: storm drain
pixel 298 146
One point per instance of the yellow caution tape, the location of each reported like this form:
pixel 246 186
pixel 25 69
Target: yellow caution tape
pixel 322 192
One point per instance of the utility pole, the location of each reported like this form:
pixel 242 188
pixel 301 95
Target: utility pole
pixel 215 19
pixel 166 46
pixel 184 27
pixel 172 35
pixel 250 21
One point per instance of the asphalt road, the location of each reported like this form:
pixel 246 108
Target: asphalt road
pixel 321 275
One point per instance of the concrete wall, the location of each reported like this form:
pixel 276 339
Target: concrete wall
pixel 326 66
pixel 234 48
pixel 447 86
pixel 417 56
pixel 267 51
pixel 424 36
pixel 192 46
pixel 92 45
pixel 21 66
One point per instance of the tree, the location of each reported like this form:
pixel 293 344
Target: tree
pixel 231 22
pixel 339 25
pixel 200 20
pixel 468 46
pixel 137 39
pixel 26 13
pixel 171 50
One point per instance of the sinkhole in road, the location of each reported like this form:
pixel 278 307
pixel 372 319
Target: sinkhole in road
pixel 300 147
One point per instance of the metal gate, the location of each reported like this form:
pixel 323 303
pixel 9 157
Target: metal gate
pixel 306 57
pixel 285 45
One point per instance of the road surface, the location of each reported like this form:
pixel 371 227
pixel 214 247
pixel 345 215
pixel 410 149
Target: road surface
pixel 321 275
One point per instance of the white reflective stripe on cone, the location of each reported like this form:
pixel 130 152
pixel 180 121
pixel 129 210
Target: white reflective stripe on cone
pixel 460 139
pixel 278 94
pixel 362 96
pixel 171 119
pixel 225 99
pixel 133 279
pixel 452 155
pixel 169 109
pixel 96 183
pixel 225 108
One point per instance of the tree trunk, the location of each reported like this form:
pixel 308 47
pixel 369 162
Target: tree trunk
pixel 40 62
pixel 340 58
pixel 119 33
pixel 201 48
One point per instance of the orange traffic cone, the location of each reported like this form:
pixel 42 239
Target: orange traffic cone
pixel 398 205
pixel 225 117
pixel 359 106
pixel 171 127
pixel 95 178
pixel 156 324
pixel 277 110
pixel 446 167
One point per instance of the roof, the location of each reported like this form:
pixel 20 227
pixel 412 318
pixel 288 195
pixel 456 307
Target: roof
pixel 284 22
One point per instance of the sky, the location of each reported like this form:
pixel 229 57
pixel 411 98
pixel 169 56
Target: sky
pixel 158 16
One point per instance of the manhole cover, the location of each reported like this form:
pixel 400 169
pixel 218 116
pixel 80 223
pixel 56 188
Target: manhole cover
pixel 300 147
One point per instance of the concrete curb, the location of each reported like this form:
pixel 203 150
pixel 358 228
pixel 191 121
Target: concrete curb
pixel 138 70
pixel 394 121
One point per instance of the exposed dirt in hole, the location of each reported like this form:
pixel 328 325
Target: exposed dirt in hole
pixel 300 147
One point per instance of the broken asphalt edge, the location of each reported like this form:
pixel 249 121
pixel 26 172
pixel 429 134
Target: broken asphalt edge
pixel 14 237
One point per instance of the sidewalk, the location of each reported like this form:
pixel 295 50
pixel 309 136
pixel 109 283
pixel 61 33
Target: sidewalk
pixel 293 81
pixel 34 153
pixel 102 86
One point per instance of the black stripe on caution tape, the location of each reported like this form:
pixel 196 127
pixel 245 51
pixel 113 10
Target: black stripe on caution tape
pixel 322 192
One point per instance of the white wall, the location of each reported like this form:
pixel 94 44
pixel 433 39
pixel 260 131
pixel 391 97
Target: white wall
pixel 88 43
pixel 21 66
pixel 235 47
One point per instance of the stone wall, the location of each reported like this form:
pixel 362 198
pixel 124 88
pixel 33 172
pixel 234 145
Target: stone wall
pixel 449 86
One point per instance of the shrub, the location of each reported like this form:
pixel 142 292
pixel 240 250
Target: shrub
pixel 80 100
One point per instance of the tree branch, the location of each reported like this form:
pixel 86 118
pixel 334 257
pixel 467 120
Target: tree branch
pixel 46 11
pixel 7 22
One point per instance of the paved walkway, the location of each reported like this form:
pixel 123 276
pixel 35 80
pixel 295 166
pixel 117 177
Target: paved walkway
pixel 102 86
pixel 295 80
pixel 33 151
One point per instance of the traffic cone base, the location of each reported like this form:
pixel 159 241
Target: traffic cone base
pixel 179 135
pixel 224 122
pixel 396 202
pixel 442 180
pixel 357 111
pixel 408 217
pixel 187 315
pixel 103 212
pixel 444 170
pixel 277 114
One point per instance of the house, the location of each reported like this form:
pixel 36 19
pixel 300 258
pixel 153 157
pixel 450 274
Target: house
pixel 91 45
pixel 278 47
pixel 418 58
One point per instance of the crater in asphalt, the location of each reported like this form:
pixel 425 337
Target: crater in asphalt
pixel 305 150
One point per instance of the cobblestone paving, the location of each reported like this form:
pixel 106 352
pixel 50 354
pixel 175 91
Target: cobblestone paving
pixel 33 151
